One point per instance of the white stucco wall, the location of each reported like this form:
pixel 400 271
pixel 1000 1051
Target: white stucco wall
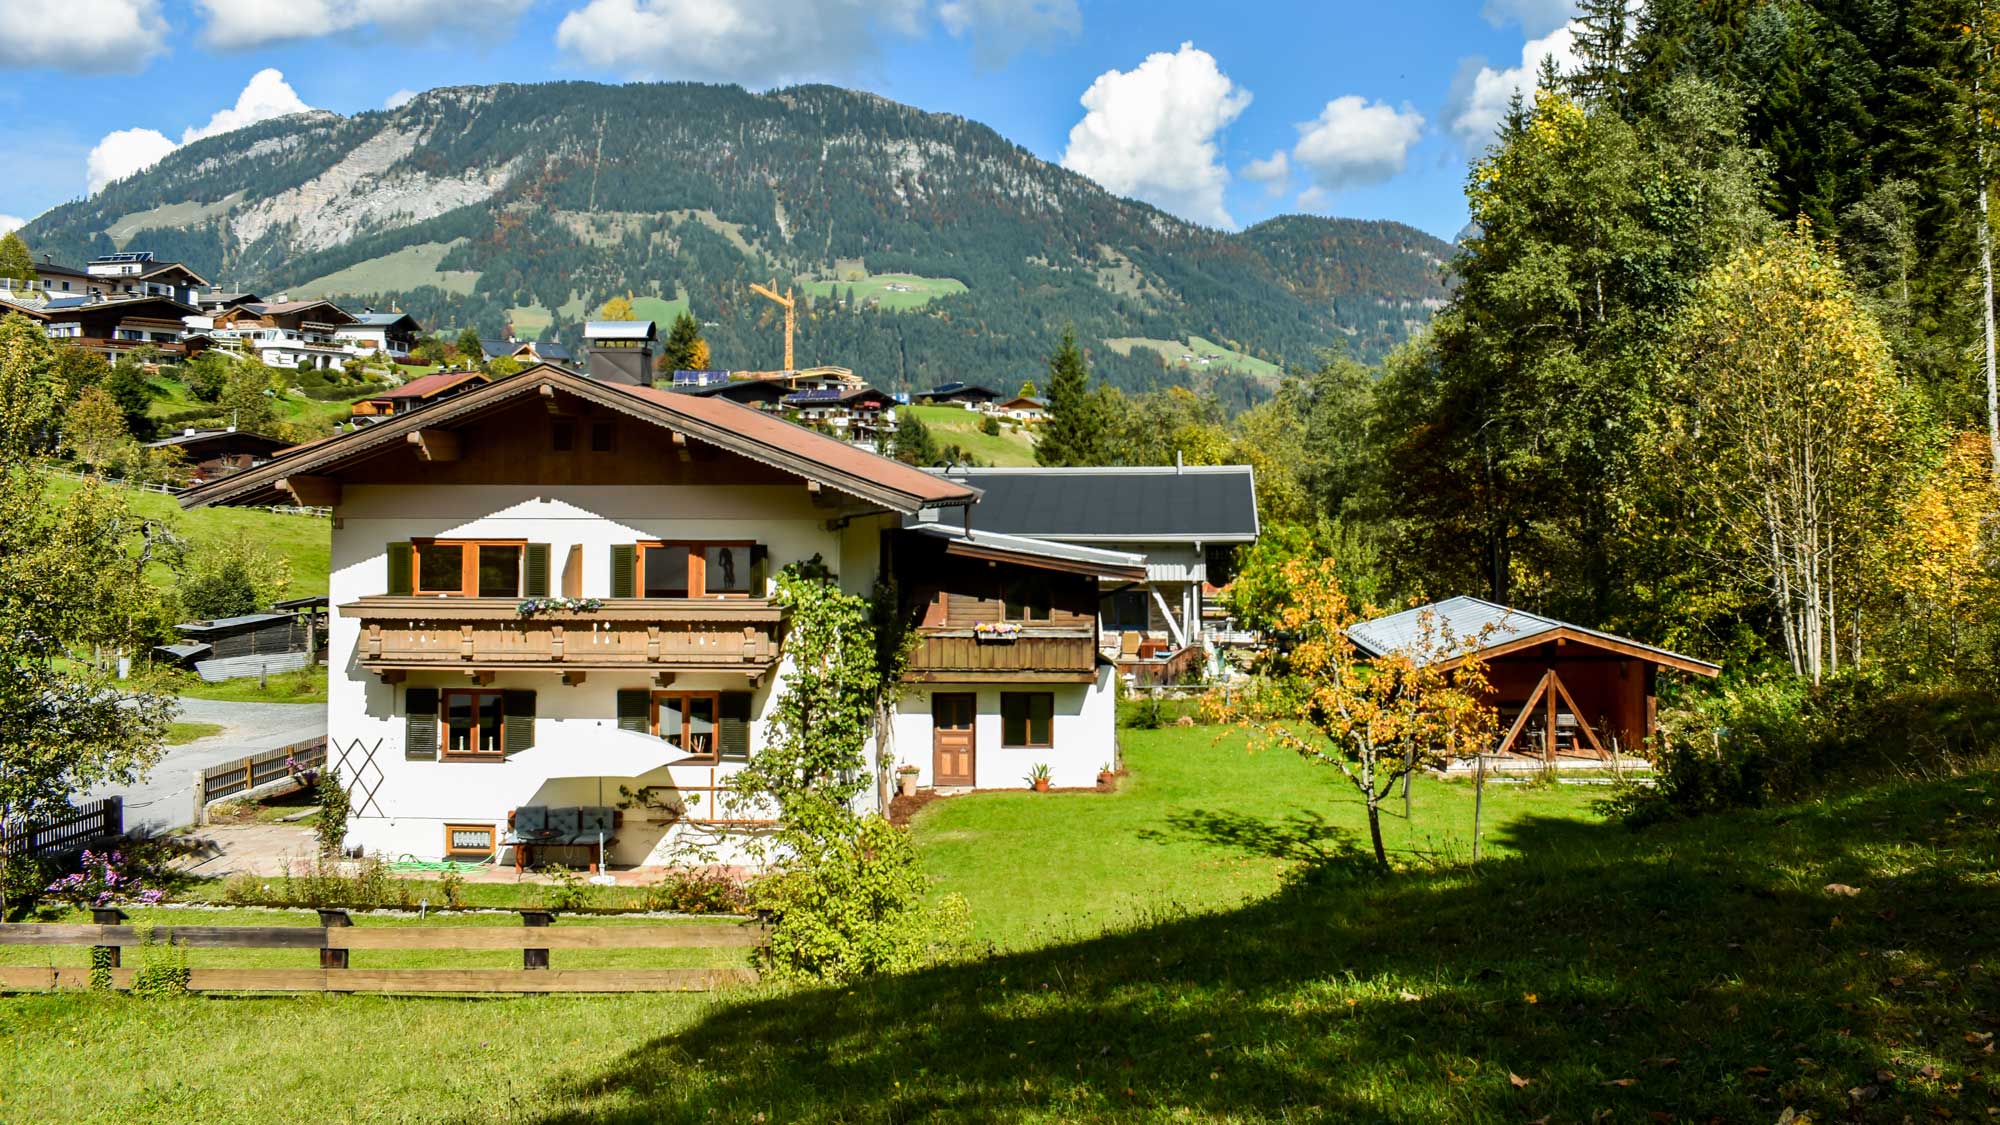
pixel 406 804
pixel 1085 734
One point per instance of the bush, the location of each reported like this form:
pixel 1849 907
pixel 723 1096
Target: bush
pixel 698 891
pixel 856 909
pixel 990 426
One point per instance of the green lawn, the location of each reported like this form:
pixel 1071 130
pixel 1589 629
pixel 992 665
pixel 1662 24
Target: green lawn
pixel 307 685
pixel 1013 445
pixel 897 292
pixel 180 734
pixel 1219 356
pixel 303 540
pixel 1830 961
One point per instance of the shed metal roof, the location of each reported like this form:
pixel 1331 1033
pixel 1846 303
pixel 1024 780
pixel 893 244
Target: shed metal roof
pixel 1109 564
pixel 1137 504
pixel 1502 628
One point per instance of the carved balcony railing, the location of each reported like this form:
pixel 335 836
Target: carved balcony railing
pixel 1044 654
pixel 402 633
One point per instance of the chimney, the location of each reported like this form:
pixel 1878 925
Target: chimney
pixel 620 351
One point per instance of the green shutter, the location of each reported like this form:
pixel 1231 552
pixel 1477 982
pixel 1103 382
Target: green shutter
pixel 517 710
pixel 399 568
pixel 634 709
pixel 420 720
pixel 624 561
pixel 537 571
pixel 734 740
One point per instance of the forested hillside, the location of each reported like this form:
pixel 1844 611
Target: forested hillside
pixel 528 206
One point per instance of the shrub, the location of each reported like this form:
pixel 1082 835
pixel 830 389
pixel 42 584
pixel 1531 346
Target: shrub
pixel 105 879
pixel 856 909
pixel 567 891
pixel 162 971
pixel 990 427
pixel 697 891
pixel 334 807
pixel 322 881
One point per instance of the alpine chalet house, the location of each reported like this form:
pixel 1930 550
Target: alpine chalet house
pixel 556 585
pixel 283 333
pixel 392 334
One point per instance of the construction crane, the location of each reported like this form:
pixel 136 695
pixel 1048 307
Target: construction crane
pixel 772 292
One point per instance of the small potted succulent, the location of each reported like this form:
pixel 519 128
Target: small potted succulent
pixel 1039 777
pixel 906 779
pixel 1107 778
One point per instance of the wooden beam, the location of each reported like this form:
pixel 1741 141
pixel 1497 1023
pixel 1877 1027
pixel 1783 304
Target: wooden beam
pixel 572 679
pixel 1582 723
pixel 480 676
pixel 311 492
pixel 434 445
pixel 1527 709
pixel 664 679
pixel 393 675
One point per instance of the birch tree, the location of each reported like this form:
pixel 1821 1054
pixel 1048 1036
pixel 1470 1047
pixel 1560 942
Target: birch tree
pixel 1782 421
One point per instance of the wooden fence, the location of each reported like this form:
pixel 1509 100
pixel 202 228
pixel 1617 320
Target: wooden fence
pixel 233 779
pixel 336 938
pixel 92 823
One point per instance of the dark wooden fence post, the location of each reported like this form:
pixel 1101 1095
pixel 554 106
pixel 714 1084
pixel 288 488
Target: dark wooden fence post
pixel 107 916
pixel 536 958
pixel 333 958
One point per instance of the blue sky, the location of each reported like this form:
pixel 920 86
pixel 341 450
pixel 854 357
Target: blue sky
pixel 1224 113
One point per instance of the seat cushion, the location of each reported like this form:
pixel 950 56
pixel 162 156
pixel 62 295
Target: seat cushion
pixel 594 820
pixel 531 824
pixel 564 824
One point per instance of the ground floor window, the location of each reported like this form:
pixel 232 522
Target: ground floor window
pixel 687 720
pixel 468 841
pixel 1027 719
pixel 474 723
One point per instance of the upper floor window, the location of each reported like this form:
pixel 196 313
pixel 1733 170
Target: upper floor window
pixel 469 568
pixel 688 570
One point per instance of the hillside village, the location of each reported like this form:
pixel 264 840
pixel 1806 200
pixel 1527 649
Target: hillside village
pixel 672 602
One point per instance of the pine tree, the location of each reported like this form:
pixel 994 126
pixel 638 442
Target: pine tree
pixel 1603 49
pixel 470 351
pixel 679 352
pixel 15 261
pixel 1075 431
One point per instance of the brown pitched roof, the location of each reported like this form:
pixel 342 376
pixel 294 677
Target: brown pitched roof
pixel 727 425
pixel 437 382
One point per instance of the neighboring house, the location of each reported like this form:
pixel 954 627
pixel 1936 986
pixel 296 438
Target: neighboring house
pixel 284 334
pixel 766 393
pixel 421 391
pixel 135 273
pixel 969 395
pixel 1561 690
pixel 854 411
pixel 1023 408
pixel 111 325
pixel 392 334
pixel 213 454
pixel 669 514
pixel 1184 521
pixel 212 301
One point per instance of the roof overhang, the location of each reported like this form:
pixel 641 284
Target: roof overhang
pixel 792 455
pixel 1116 566
pixel 1566 635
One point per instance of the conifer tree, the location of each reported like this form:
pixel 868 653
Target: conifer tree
pixel 683 345
pixel 1075 431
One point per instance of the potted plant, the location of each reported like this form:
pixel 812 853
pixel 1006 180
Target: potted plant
pixel 1107 778
pixel 1039 777
pixel 906 779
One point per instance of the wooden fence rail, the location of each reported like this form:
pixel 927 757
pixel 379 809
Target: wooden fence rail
pixel 93 822
pixel 336 937
pixel 233 778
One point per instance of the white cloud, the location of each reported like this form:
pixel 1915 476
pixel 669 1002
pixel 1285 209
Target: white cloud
pixel 1479 103
pixel 1150 132
pixel 1536 17
pixel 265 96
pixel 85 36
pixel 235 24
pixel 1355 141
pixel 1001 29
pixel 1273 172
pixel 126 151
pixel 11 223
pixel 755 42
pixel 399 99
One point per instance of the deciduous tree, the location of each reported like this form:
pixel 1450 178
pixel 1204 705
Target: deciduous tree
pixel 15 262
pixel 94 428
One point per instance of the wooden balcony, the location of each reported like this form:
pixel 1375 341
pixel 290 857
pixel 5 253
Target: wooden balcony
pixel 1037 655
pixel 401 633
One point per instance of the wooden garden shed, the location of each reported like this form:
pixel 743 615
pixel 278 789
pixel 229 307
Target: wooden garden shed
pixel 1561 690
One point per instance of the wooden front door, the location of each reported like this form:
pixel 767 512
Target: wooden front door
pixel 952 738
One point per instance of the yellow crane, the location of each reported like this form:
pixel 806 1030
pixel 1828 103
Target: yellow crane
pixel 772 292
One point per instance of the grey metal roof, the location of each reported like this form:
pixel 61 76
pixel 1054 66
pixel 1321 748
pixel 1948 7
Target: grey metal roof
pixel 222 624
pixel 1127 504
pixel 620 330
pixel 384 319
pixel 1042 548
pixel 183 651
pixel 552 351
pixel 1470 617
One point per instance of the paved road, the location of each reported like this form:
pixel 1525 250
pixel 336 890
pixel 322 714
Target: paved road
pixel 165 798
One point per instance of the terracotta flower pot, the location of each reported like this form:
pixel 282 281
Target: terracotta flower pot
pixel 1041 785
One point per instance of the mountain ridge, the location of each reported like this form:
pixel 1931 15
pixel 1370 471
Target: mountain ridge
pixel 528 205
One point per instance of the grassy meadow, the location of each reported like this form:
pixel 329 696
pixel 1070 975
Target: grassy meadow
pixel 1014 445
pixel 1208 943
pixel 896 292
pixel 1220 357
pixel 303 541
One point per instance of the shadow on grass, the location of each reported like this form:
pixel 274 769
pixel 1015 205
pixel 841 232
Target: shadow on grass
pixel 1300 837
pixel 1697 971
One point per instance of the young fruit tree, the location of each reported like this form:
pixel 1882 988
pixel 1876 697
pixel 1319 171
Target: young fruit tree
pixel 1375 719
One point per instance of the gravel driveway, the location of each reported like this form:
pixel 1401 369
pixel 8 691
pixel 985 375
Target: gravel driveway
pixel 165 798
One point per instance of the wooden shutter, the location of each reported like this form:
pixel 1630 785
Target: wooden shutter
pixel 634 710
pixel 536 571
pixel 420 720
pixel 399 569
pixel 517 710
pixel 624 562
pixel 734 737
